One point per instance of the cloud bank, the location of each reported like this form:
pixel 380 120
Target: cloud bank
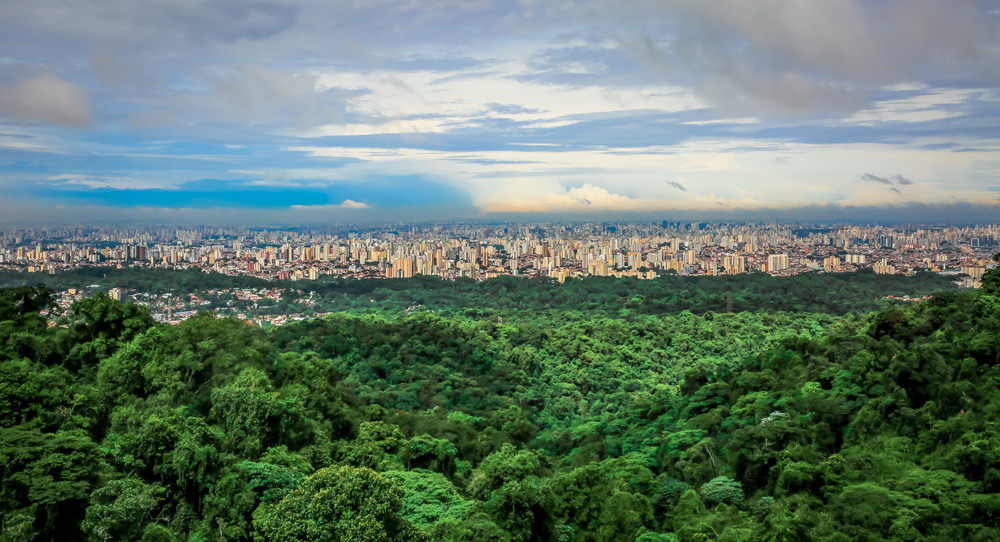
pixel 579 107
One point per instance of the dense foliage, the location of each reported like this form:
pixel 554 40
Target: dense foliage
pixel 831 293
pixel 431 426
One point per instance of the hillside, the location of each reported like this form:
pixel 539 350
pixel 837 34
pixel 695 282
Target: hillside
pixel 644 426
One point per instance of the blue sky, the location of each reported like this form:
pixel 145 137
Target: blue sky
pixel 279 111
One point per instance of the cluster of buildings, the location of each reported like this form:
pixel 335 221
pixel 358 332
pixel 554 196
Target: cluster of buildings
pixel 482 251
pixel 250 304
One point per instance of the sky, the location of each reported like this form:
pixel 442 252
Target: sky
pixel 273 111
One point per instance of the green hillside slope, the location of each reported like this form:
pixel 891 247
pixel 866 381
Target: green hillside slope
pixel 593 427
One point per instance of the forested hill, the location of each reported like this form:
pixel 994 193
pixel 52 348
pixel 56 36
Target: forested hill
pixel 832 293
pixel 639 427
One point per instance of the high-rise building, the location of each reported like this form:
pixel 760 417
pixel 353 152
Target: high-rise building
pixel 400 269
pixel 831 264
pixel 734 264
pixel 883 268
pixel 976 272
pixel 117 294
pixel 777 262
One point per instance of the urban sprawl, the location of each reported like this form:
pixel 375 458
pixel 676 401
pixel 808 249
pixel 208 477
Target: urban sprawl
pixel 483 251
pixel 559 251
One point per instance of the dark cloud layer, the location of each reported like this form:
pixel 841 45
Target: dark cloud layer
pixel 46 98
pixel 768 56
pixel 786 56
pixel 868 177
pixel 890 180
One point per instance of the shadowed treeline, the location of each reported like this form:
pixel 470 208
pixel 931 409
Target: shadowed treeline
pixel 833 293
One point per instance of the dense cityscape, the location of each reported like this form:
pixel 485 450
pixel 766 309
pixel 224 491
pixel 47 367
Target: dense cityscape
pixel 471 251
pixel 483 251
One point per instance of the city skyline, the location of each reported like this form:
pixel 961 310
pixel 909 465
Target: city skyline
pixel 311 112
pixel 481 252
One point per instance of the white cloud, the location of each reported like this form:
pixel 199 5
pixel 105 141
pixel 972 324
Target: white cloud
pixel 417 102
pixel 415 126
pixel 924 107
pixel 104 181
pixel 713 170
pixel 586 198
pixel 209 157
pixel 346 204
pixel 7 142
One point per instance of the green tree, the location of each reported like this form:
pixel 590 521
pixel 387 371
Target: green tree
pixel 120 508
pixel 691 520
pixel 722 489
pixel 46 475
pixel 100 326
pixel 991 279
pixel 337 504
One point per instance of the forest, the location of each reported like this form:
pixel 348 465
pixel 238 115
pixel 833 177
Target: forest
pixel 858 292
pixel 772 411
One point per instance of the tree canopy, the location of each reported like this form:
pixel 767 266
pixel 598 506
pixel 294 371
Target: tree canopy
pixel 597 426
